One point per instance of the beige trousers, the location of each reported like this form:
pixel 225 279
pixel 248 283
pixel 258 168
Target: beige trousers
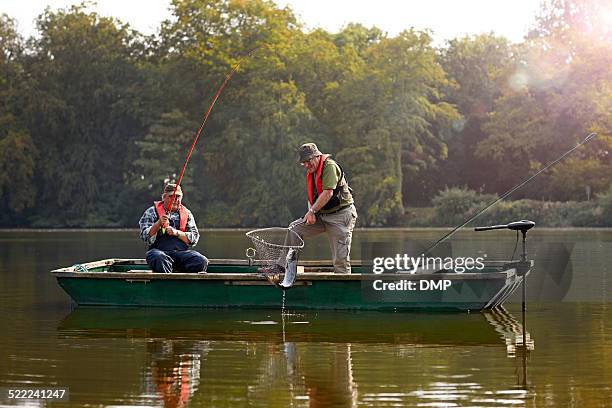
pixel 339 228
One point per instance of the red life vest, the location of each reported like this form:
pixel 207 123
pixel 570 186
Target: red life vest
pixel 318 178
pixel 159 207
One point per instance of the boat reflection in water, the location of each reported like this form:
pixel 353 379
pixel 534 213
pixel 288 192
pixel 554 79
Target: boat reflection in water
pixel 316 359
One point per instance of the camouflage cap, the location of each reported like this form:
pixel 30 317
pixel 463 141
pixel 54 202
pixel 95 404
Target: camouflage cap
pixel 307 151
pixel 171 187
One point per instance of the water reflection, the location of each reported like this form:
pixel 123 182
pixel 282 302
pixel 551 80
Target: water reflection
pixel 106 359
pixel 173 370
pixel 315 359
pixel 510 330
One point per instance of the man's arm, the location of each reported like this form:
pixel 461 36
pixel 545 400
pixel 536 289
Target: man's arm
pixel 323 198
pixel 179 234
pixel 149 225
pixel 158 224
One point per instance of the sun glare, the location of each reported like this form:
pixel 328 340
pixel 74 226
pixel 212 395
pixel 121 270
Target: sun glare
pixel 606 19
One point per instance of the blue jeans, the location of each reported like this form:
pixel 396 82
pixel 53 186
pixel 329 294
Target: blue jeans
pixel 180 261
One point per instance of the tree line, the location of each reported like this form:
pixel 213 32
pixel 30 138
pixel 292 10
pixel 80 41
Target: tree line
pixel 95 116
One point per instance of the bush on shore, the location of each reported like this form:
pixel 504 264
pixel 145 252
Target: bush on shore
pixel 454 206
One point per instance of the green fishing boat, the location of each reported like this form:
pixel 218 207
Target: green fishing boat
pixel 237 284
pixel 234 283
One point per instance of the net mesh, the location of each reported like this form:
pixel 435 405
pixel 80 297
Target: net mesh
pixel 273 244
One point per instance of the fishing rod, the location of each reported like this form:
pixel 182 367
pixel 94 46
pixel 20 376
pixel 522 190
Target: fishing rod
pixel 512 190
pixel 228 77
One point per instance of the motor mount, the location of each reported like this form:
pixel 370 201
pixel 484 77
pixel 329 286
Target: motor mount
pixel 522 225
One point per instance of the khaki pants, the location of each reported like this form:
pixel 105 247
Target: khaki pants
pixel 339 227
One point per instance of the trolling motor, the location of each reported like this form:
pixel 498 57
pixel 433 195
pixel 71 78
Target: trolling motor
pixel 523 266
pixel 523 226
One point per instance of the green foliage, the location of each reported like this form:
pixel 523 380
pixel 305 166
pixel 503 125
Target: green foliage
pixel 251 165
pixel 457 204
pixel 161 151
pixel 454 206
pixel 357 37
pixel 18 153
pixel 83 108
pixel 375 180
pixel 477 68
pixel 604 208
pixel 552 100
pixel 17 161
pixel 94 117
pixel 391 106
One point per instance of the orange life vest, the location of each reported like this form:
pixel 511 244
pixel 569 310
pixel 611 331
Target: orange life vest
pixel 318 180
pixel 159 207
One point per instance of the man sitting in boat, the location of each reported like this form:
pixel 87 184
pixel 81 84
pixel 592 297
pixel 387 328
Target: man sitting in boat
pixel 330 205
pixel 169 233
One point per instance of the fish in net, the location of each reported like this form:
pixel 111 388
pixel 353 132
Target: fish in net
pixel 277 249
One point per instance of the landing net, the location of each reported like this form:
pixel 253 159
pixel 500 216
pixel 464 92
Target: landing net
pixel 273 244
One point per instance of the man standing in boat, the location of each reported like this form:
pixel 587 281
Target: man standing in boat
pixel 169 233
pixel 330 205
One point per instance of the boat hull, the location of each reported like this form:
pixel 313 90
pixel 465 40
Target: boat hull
pixel 237 285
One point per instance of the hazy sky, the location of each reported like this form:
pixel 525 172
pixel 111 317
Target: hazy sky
pixel 447 18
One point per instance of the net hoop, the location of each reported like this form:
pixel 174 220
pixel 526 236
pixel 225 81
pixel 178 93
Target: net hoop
pixel 254 236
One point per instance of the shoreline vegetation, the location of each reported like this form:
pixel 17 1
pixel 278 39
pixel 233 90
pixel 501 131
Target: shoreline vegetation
pixel 456 205
pixel 95 117
pixel 452 207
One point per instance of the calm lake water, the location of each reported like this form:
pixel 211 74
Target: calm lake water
pixel 262 358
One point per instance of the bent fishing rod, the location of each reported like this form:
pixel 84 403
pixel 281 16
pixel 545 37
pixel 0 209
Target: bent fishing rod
pixel 228 77
pixel 512 190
